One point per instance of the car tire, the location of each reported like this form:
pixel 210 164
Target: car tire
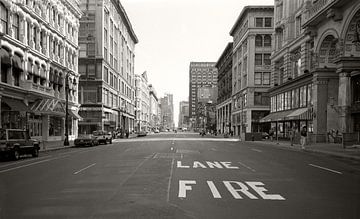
pixel 110 142
pixel 35 152
pixel 105 141
pixel 16 154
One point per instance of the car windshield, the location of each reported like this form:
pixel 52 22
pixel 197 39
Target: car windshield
pixel 98 133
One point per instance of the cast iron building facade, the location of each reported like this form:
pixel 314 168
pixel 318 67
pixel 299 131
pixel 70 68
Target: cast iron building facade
pixel 201 74
pixel 315 69
pixel 223 107
pixel 106 64
pixel 252 47
pixel 39 63
pixel 142 102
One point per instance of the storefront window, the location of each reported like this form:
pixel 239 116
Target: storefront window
pixel 310 95
pixel 303 96
pixel 295 98
pixel 55 126
pixel 35 125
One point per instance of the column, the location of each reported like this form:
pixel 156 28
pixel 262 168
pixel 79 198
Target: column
pixel 37 46
pixel 10 70
pixel 344 102
pixel 320 98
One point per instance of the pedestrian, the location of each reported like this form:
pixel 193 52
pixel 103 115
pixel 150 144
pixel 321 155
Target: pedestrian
pixel 303 134
pixel 292 135
pixel 271 134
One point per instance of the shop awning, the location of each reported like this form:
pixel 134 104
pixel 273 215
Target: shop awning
pixel 296 114
pixel 16 105
pixel 74 114
pixel 277 116
pixel 4 56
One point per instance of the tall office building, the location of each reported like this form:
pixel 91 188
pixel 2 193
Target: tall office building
pixel 167 111
pixel 201 74
pixel 154 119
pixel 252 47
pixel 183 114
pixel 39 67
pixel 106 66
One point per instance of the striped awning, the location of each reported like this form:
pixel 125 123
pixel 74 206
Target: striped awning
pixel 290 115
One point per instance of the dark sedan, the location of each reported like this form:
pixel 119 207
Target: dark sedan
pixel 86 140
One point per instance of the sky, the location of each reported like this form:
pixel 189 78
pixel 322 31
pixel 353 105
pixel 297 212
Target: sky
pixel 173 33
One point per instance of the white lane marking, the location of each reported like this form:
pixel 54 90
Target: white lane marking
pixel 26 165
pixel 170 178
pixel 257 150
pixel 79 171
pixel 246 166
pixel 324 168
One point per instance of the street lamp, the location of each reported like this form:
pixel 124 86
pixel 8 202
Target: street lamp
pixel 66 141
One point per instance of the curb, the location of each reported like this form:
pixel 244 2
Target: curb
pixel 56 148
pixel 310 150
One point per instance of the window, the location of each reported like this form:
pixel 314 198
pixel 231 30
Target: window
pixel 258 59
pixel 91 49
pixel 267 60
pixel 16 26
pixel 82 69
pixel 3 18
pixel 258 78
pixel 258 41
pixel 267 41
pixel 83 49
pixel 268 22
pixel 259 22
pixel 303 96
pixel 106 75
pixel 91 70
pixel 266 78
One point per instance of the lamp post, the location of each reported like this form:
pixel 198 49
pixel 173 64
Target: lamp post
pixel 66 141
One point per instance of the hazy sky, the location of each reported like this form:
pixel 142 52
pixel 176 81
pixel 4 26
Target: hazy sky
pixel 172 33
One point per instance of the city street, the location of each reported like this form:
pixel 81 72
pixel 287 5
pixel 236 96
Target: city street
pixel 180 175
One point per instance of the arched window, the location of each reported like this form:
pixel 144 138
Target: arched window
pixel 267 41
pixel 16 26
pixel 3 18
pixel 258 41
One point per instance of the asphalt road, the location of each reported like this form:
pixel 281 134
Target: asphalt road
pixel 180 176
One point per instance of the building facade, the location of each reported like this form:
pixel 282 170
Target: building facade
pixel 39 67
pixel 167 112
pixel 252 46
pixel 142 103
pixel 223 106
pixel 183 115
pixel 106 65
pixel 315 73
pixel 201 74
pixel 154 109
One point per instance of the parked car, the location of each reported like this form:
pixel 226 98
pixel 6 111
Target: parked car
pixel 16 142
pixel 86 140
pixel 103 137
pixel 141 133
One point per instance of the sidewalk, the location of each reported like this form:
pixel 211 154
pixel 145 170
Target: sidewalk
pixel 324 148
pixel 337 150
pixel 58 145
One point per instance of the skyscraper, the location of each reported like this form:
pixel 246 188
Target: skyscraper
pixel 167 111
pixel 201 74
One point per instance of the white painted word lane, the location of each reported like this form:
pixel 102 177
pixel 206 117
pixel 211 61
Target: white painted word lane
pixel 239 190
